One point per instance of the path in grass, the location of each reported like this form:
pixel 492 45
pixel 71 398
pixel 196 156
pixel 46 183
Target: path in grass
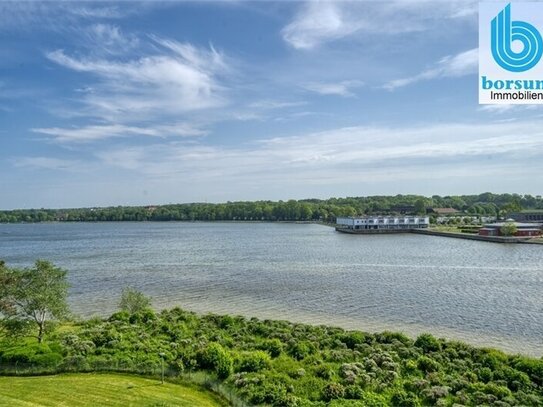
pixel 81 390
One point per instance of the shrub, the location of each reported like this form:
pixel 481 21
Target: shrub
pixel 29 353
pixel 333 391
pixel 121 316
pixel 533 367
pixel 300 350
pixel 402 399
pixel 427 343
pixel 133 301
pixel 352 339
pixel 391 337
pixel 498 391
pixel 145 316
pixel 273 346
pixel 515 380
pixel 353 392
pixel 436 392
pixel 215 358
pixel 47 359
pixel 427 365
pixel 253 361
pixel 485 374
pixel 324 372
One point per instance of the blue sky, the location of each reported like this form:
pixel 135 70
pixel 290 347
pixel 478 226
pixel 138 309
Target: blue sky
pixel 163 102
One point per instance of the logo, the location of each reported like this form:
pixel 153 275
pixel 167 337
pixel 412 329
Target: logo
pixel 510 53
pixel 504 33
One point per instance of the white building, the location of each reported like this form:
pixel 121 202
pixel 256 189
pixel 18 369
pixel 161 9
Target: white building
pixel 383 222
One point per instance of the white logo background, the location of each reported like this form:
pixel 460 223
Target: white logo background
pixel 531 13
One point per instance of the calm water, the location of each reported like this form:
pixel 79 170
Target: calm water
pixel 483 293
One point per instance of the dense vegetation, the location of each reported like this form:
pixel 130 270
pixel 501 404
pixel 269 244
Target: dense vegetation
pixel 302 210
pixel 267 362
pixel 92 390
pixel 287 364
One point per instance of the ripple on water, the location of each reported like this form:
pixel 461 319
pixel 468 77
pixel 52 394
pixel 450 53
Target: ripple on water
pixel 487 294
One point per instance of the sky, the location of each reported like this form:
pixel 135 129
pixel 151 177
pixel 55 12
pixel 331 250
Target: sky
pixel 136 103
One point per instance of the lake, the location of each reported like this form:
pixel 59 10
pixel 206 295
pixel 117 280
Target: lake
pixel 482 293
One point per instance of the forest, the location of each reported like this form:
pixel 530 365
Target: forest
pixel 292 210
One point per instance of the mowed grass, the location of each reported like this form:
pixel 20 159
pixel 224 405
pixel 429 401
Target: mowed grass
pixel 81 390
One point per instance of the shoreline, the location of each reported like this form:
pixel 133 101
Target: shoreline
pixel 367 325
pixel 434 232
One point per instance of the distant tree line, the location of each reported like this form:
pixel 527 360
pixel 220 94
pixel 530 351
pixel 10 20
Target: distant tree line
pixel 302 210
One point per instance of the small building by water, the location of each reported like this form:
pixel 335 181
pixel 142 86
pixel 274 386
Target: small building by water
pixel 523 229
pixel 382 223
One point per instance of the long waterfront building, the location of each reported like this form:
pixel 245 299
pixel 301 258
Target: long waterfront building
pixel 383 222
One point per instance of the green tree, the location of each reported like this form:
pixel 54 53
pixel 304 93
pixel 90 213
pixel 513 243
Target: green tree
pixel 420 207
pixel 509 229
pixel 134 301
pixel 33 297
pixel 7 308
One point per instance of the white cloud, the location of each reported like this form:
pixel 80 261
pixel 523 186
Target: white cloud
pixel 100 132
pixel 58 15
pixel 167 83
pixel 342 155
pixel 319 22
pixel 499 109
pixel 464 63
pixel 98 12
pixel 275 104
pixel 47 163
pixel 343 88
pixel 356 160
pixel 109 39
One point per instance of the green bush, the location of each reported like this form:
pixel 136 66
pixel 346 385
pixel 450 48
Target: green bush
pixel 402 399
pixel 428 343
pixel 27 353
pixel 47 359
pixel 498 391
pixel 215 358
pixel 333 391
pixel 533 367
pixel 253 361
pixel 353 392
pixel 300 350
pixel 351 339
pixel 427 365
pixel 273 346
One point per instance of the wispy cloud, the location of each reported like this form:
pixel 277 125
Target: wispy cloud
pixel 58 15
pixel 343 88
pixel 98 12
pixel 100 132
pixel 275 104
pixel 349 160
pixel 464 63
pixel 48 163
pixel 109 39
pixel 180 79
pixel 342 154
pixel 319 22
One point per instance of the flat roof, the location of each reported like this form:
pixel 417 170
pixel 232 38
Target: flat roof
pixel 517 224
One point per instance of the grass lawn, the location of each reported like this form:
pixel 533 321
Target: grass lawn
pixel 94 390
